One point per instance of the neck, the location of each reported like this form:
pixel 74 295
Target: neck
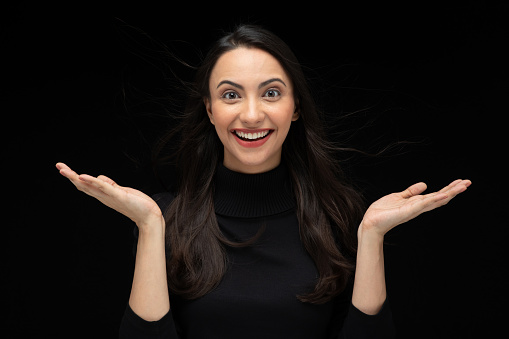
pixel 235 165
pixel 253 195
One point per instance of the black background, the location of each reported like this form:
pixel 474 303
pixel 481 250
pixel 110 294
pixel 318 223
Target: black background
pixel 431 77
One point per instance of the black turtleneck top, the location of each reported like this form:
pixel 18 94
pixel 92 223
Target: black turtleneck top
pixel 257 297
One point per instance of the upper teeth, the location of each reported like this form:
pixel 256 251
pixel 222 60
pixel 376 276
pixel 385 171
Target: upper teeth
pixel 252 135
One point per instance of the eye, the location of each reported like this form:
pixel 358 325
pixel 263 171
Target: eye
pixel 272 93
pixel 230 95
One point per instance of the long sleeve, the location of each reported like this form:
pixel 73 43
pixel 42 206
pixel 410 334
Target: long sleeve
pixel 358 325
pixel 348 322
pixel 257 296
pixel 134 327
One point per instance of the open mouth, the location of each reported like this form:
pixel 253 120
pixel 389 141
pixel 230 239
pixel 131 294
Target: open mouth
pixel 252 136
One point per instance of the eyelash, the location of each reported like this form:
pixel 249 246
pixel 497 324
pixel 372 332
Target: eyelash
pixel 278 93
pixel 223 96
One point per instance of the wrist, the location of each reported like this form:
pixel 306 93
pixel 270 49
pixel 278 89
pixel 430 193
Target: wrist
pixel 152 227
pixel 370 233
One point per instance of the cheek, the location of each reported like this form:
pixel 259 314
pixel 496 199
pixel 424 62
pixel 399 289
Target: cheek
pixel 281 115
pixel 222 118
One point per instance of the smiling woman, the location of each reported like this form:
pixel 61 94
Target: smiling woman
pixel 260 238
pixel 251 82
pixel 252 111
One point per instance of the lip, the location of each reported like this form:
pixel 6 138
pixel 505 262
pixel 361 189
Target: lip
pixel 251 144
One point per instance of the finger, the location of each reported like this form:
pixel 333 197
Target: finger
pixel 451 190
pixel 456 187
pixel 459 188
pixel 61 165
pixel 66 171
pixel 446 194
pixel 80 184
pixel 102 185
pixel 413 190
pixel 107 180
pixel 451 185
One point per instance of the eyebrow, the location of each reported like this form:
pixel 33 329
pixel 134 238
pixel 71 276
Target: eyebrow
pixel 262 84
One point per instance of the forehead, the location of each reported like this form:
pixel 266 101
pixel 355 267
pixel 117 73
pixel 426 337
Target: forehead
pixel 247 64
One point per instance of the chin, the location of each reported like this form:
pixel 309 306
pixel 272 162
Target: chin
pixel 252 165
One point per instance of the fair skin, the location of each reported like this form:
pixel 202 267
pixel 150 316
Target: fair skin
pixel 369 291
pixel 250 93
pixel 245 97
pixel 149 292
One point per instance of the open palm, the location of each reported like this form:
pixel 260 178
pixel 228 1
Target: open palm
pixel 132 203
pixel 397 208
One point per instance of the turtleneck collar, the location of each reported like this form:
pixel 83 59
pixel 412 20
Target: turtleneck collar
pixel 253 195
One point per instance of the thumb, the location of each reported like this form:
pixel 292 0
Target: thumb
pixel 107 180
pixel 415 189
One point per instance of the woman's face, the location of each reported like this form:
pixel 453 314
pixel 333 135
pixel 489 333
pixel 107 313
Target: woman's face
pixel 252 107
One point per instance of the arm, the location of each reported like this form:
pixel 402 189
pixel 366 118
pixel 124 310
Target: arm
pixel 369 291
pixel 369 315
pixel 149 294
pixel 148 314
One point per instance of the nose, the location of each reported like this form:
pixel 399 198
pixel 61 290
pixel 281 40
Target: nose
pixel 252 114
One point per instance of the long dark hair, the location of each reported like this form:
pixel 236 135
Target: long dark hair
pixel 328 209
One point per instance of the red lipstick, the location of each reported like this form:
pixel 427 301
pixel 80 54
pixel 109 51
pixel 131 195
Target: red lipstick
pixel 251 138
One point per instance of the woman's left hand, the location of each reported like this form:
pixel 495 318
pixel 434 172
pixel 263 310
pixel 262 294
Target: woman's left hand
pixel 397 208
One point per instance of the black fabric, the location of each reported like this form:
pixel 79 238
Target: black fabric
pixel 133 326
pixel 253 195
pixel 257 297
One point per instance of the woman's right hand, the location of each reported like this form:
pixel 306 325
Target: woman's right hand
pixel 132 203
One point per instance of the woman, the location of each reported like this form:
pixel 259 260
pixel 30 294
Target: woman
pixel 260 237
